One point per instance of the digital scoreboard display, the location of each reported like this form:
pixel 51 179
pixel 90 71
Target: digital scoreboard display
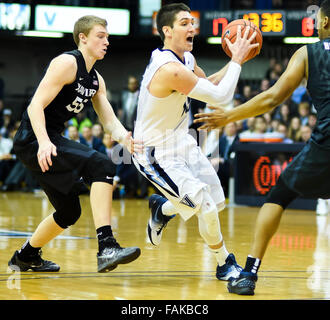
pixel 271 22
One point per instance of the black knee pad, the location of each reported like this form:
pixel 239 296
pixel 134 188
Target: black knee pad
pixel 68 214
pixel 280 194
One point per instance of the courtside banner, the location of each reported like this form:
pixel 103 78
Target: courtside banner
pixel 62 18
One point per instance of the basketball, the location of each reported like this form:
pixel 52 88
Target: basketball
pixel 231 30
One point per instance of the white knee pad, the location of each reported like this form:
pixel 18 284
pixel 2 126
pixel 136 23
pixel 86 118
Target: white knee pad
pixel 208 221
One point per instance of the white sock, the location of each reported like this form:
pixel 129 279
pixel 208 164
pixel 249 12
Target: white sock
pixel 168 209
pixel 220 254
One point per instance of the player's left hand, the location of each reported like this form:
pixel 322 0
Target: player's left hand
pixel 212 120
pixel 133 146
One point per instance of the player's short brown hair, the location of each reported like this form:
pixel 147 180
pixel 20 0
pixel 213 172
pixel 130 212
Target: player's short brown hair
pixel 85 24
pixel 166 16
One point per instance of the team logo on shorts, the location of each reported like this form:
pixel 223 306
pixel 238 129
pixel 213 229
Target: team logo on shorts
pixel 188 202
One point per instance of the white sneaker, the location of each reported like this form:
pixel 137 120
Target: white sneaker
pixel 322 208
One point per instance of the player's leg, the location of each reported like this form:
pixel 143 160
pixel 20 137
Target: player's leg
pixel 67 212
pixel 210 231
pixel 99 172
pixel 267 223
pixel 202 169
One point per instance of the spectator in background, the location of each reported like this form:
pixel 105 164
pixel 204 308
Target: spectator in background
pixel 247 93
pixel 305 133
pixel 92 141
pixel 294 129
pixel 97 131
pixel 304 111
pixel 7 160
pixel 258 132
pixel 248 125
pixel 312 118
pixel 282 129
pixel 283 114
pixel 8 123
pixel 264 85
pixel 73 134
pixel 81 120
pixel 300 92
pixel 221 163
pixel 129 99
pixel 1 112
pixel 272 62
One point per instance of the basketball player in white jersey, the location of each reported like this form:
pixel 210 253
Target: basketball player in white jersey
pixel 172 161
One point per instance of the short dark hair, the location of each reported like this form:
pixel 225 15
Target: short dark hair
pixel 325 7
pixel 166 16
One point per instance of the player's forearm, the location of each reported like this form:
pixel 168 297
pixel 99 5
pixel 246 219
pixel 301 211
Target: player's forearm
pixel 220 94
pixel 38 122
pixel 215 78
pixel 116 130
pixel 258 105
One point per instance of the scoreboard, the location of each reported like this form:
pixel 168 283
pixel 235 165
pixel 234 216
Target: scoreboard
pixel 283 23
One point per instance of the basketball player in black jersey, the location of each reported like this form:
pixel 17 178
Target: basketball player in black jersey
pixel 58 163
pixel 308 175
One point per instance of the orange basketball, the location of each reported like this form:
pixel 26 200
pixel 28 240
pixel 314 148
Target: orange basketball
pixel 231 30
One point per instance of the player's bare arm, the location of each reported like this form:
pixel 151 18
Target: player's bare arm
pixel 110 122
pixel 60 72
pixel 265 101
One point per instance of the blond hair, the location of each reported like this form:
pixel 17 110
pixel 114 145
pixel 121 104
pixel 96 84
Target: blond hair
pixel 85 24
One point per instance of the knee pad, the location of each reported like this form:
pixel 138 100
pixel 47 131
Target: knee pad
pixel 68 214
pixel 208 221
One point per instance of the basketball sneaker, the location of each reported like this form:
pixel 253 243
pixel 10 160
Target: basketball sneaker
pixel 158 221
pixel 244 284
pixel 36 264
pixel 229 270
pixel 322 207
pixel 113 254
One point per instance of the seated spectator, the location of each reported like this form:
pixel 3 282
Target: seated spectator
pixel 18 176
pixel 282 129
pixel 294 129
pixel 8 123
pixel 73 134
pixel 7 159
pixel 300 92
pixel 97 131
pixel 305 133
pixel 283 114
pixel 264 85
pixel 258 133
pixel 81 120
pixel 92 141
pixel 312 118
pixel 304 111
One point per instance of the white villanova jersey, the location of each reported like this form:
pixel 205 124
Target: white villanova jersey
pixel 162 122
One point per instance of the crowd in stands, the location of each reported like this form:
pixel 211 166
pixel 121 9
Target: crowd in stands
pixel 291 122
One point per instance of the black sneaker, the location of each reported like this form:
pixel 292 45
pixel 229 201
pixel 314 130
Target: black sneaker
pixel 36 264
pixel 114 254
pixel 244 284
pixel 229 270
pixel 158 220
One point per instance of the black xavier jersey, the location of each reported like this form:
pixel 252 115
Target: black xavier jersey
pixel 70 100
pixel 318 86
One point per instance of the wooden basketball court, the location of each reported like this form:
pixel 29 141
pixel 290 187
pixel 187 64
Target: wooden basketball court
pixel 296 265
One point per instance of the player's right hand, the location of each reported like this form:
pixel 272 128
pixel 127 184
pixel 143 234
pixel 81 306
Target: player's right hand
pixel 45 152
pixel 241 47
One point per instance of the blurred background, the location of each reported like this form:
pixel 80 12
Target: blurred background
pixel 34 32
